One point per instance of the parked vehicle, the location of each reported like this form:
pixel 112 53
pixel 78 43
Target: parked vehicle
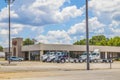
pixel 51 56
pixel 61 57
pixel 44 57
pixel 83 57
pixel 14 58
pixel 47 56
pixel 93 57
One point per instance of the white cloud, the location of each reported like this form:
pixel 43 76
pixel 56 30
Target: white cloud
pixel 55 37
pixel 105 9
pixel 16 28
pixel 3 32
pixel 4 14
pixel 114 28
pixel 40 12
pixel 43 12
pixel 108 13
pixel 67 13
pixel 94 26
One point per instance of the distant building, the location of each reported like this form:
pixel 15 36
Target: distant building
pixel 34 52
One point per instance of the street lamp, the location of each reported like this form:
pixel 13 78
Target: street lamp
pixel 9 2
pixel 87 37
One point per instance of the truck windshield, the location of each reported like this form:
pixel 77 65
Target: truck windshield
pixel 93 53
pixel 85 53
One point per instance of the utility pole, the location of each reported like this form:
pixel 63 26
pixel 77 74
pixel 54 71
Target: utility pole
pixel 87 37
pixel 9 24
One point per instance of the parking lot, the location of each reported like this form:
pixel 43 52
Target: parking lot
pixel 33 70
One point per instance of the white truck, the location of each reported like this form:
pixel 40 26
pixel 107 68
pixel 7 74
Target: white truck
pixel 60 57
pixel 47 57
pixel 51 57
pixel 94 57
pixel 83 57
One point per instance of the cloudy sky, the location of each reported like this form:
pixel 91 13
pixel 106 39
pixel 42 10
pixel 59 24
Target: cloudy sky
pixel 59 21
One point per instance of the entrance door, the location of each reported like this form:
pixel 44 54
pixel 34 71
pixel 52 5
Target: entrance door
pixel 26 55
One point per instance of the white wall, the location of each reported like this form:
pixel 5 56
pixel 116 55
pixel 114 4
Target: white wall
pixel 2 54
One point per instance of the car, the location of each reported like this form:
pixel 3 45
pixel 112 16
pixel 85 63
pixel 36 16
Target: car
pixel 14 58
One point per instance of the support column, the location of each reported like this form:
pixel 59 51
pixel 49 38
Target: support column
pixel 29 58
pixel 41 53
pixel 106 55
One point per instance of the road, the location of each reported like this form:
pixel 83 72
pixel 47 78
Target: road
pixel 28 70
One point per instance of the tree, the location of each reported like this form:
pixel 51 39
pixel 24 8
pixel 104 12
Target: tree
pixel 81 42
pixel 114 41
pixel 95 40
pixel 1 48
pixel 101 40
pixel 98 40
pixel 28 41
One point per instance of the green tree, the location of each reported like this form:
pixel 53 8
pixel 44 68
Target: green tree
pixel 115 41
pixel 101 40
pixel 1 48
pixel 98 40
pixel 81 42
pixel 95 40
pixel 28 41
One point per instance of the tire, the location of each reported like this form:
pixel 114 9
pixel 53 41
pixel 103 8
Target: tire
pixel 62 60
pixel 81 61
pixel 107 61
pixel 111 61
pixel 20 60
pixel 95 61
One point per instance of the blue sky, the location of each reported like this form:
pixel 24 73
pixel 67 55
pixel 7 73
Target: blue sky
pixel 59 21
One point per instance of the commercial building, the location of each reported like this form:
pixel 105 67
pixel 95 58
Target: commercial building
pixel 34 52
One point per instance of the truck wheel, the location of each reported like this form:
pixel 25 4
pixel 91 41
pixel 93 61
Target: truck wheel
pixel 107 61
pixel 81 61
pixel 95 61
pixel 20 60
pixel 111 61
pixel 62 60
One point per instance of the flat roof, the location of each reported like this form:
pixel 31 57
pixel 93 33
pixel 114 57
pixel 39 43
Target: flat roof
pixel 66 47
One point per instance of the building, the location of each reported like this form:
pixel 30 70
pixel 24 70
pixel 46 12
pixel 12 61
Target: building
pixel 34 52
pixel 2 54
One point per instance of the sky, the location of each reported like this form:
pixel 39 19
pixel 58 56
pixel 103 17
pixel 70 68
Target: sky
pixel 59 21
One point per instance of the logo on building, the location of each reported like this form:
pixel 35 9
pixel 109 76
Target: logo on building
pixel 14 43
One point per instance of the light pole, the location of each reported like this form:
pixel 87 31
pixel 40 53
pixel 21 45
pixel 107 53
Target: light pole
pixel 9 2
pixel 87 37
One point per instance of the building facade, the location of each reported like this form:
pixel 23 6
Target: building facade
pixel 34 52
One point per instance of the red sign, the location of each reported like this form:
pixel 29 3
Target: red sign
pixel 14 42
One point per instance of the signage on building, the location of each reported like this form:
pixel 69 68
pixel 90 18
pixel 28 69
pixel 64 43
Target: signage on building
pixel 14 42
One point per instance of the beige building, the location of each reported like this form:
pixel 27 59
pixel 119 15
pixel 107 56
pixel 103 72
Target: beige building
pixel 33 52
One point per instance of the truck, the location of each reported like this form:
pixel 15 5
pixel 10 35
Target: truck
pixel 51 57
pixel 61 57
pixel 46 57
pixel 83 57
pixel 93 57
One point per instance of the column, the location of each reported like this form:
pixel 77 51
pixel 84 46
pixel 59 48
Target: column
pixel 41 53
pixel 29 56
pixel 106 55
